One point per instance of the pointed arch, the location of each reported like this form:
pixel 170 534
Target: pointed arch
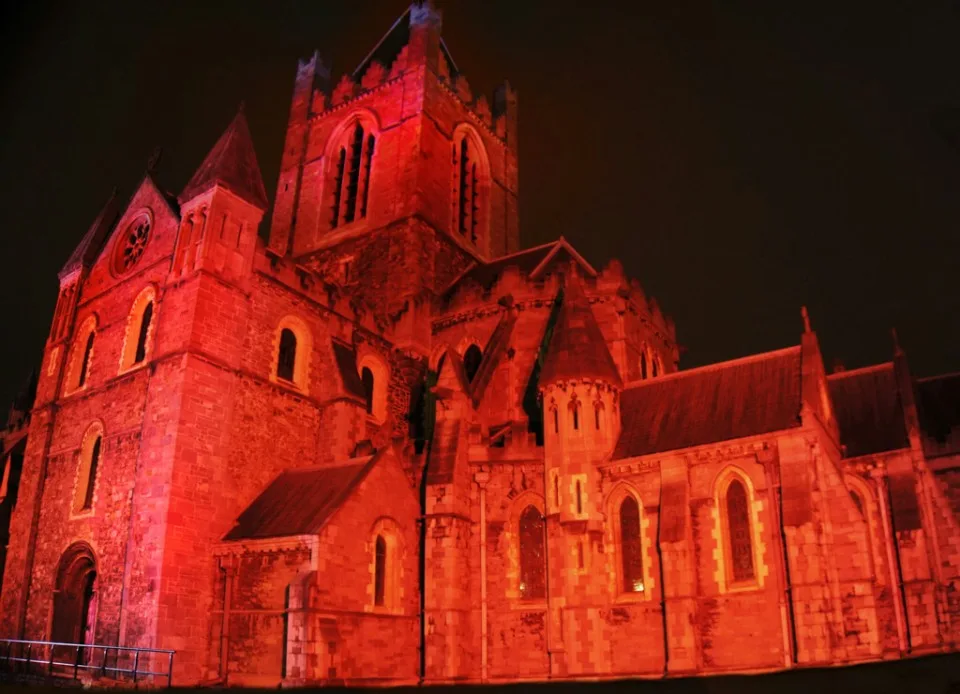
pixel 738 531
pixel 140 329
pixel 350 159
pixel 375 377
pixel 89 468
pixel 470 188
pixel 526 548
pixel 81 355
pixel 627 533
pixel 386 550
pixel 864 502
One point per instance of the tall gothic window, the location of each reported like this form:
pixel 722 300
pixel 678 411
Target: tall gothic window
pixel 145 320
pixel 738 529
pixel 287 356
pixel 467 188
pixel 380 571
pixel 858 502
pixel 532 583
pixel 631 548
pixel 643 365
pixel 471 361
pixel 85 361
pixel 92 475
pixel 351 179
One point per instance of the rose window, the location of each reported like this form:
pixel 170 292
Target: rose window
pixel 131 246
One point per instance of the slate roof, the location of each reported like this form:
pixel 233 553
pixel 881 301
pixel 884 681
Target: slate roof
pixel 232 163
pixel 866 403
pixel 346 360
pixel 300 502
pixel 493 353
pixel 577 349
pixel 745 397
pixel 938 407
pixel 91 243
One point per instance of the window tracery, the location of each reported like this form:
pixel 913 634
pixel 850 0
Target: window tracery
pixel 353 158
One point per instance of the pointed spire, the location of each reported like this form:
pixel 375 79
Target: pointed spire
pixel 232 163
pixel 897 349
pixel 806 319
pixel 577 348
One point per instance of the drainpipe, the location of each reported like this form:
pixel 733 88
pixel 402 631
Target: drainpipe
pixel 482 478
pixel 229 573
pixel 663 587
pixel 896 570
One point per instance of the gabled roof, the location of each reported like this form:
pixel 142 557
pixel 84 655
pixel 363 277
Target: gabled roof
pixel 938 407
pixel 88 248
pixel 866 403
pixel 300 502
pixel 232 163
pixel 577 350
pixel 398 36
pixel 730 400
pixel 532 262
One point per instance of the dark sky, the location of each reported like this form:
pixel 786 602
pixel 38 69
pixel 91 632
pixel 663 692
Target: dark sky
pixel 739 158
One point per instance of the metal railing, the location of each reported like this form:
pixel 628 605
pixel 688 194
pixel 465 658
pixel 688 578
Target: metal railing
pixel 54 658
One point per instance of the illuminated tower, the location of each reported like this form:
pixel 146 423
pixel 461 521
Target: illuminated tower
pixel 397 174
pixel 580 387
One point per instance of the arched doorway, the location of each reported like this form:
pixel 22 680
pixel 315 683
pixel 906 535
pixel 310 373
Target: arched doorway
pixel 75 596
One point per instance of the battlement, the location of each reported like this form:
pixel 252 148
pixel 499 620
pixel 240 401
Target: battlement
pixel 407 46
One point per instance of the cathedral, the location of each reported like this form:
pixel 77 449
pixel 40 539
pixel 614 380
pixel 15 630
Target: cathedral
pixel 378 442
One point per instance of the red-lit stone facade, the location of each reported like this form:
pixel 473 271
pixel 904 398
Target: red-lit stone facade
pixel 387 446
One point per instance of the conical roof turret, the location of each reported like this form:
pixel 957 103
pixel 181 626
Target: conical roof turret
pixel 577 351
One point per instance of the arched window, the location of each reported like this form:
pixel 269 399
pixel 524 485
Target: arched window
pixel 574 408
pixel 655 362
pixel 287 356
pixel 375 380
pixel 91 452
pixel 579 498
pixel 353 163
pixel 556 421
pixel 85 361
pixel 292 348
pixel 471 361
pixel 643 365
pixel 598 415
pixel 469 186
pixel 366 378
pixel 532 584
pixel 386 566
pixel 380 571
pixel 81 355
pixel 145 321
pixel 631 547
pixel 738 531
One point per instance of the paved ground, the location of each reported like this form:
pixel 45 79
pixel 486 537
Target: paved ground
pixel 927 675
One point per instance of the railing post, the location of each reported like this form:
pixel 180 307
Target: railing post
pixel 50 664
pixel 136 664
pixel 27 666
pixel 76 664
pixel 103 667
pixel 170 670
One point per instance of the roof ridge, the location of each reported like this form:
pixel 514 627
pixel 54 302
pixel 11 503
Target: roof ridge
pixel 716 366
pixel 861 370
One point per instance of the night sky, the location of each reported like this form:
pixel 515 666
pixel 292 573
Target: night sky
pixel 740 159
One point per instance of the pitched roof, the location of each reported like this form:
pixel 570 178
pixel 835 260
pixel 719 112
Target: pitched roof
pixel 532 262
pixel 299 502
pixel 577 350
pixel 866 403
pixel 938 407
pixel 232 163
pixel 91 243
pixel 346 360
pixel 730 400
